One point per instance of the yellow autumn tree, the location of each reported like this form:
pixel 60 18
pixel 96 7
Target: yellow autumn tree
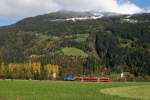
pixel 11 67
pixel 28 70
pixel 13 70
pixel 2 70
pixel 51 70
pixel 36 68
pixel 22 70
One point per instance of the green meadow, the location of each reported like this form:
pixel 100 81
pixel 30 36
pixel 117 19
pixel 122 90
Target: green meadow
pixel 74 52
pixel 59 90
pixel 136 92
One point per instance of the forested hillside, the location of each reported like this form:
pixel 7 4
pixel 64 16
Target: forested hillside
pixel 111 44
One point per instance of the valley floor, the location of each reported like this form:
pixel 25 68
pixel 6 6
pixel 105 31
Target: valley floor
pixel 59 90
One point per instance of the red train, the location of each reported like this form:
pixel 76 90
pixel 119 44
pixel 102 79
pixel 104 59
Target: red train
pixel 93 79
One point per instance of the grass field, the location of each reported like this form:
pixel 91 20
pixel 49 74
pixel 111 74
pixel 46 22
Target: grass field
pixel 74 52
pixel 137 92
pixel 54 90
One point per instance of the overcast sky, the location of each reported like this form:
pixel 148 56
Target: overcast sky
pixel 17 9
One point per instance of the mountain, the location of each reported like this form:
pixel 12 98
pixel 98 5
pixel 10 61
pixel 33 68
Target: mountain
pixel 46 23
pixel 80 42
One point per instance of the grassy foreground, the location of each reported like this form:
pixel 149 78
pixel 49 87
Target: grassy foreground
pixel 51 90
pixel 137 92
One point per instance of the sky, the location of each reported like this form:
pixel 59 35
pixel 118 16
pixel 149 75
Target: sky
pixel 13 10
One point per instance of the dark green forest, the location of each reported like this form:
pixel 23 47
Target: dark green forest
pixel 103 46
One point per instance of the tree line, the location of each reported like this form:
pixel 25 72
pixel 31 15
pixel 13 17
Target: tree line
pixel 28 71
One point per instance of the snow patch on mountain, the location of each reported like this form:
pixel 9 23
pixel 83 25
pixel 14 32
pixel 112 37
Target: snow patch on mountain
pixel 79 18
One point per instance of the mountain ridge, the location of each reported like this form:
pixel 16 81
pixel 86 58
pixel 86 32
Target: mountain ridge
pixel 64 14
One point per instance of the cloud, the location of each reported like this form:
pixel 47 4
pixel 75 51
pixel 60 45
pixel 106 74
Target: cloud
pixel 118 6
pixel 25 8
pixel 148 10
